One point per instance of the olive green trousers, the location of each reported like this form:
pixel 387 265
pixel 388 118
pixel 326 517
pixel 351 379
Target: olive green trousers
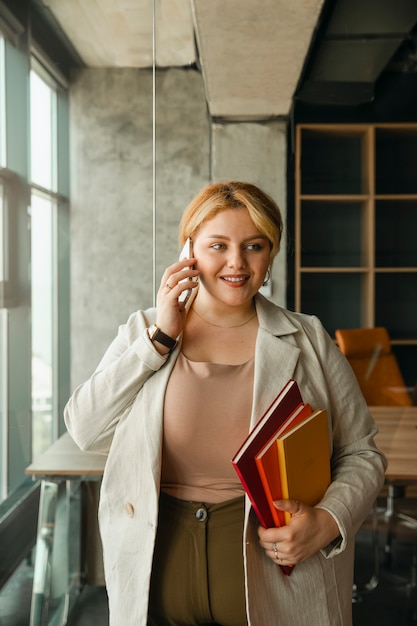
pixel 198 575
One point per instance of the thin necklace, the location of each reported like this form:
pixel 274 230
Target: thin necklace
pixel 219 326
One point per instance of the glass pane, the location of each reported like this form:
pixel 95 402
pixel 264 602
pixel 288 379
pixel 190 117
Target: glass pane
pixel 42 323
pixel 2 106
pixel 3 244
pixel 3 404
pixel 41 134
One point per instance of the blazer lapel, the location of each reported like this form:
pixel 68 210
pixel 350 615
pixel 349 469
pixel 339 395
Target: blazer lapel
pixel 275 362
pixel 275 358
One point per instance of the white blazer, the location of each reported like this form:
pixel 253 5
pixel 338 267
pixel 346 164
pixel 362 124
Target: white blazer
pixel 119 412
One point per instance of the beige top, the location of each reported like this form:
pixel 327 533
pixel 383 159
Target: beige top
pixel 206 418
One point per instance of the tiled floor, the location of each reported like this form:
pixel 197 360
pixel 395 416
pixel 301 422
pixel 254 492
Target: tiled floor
pixel 391 603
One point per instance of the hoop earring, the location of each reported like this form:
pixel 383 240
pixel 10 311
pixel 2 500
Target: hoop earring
pixel 267 278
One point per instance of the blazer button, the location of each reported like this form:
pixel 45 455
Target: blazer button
pixel 130 509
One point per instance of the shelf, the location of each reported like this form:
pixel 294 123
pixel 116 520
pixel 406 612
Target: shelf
pixel 333 162
pixel 396 303
pixel 335 298
pixel 332 234
pixel 395 233
pixel 334 270
pixel 355 228
pixel 395 160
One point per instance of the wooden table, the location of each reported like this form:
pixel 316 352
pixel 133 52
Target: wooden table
pixel 64 458
pixel 60 550
pixel 397 438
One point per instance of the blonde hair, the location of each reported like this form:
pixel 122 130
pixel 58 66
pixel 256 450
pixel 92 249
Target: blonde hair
pixel 218 197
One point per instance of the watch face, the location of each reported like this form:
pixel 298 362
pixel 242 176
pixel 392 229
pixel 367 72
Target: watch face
pixel 152 331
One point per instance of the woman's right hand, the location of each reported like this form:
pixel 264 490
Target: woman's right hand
pixel 309 531
pixel 171 313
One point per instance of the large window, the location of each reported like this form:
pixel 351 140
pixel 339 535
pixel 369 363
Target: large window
pixel 43 220
pixel 34 258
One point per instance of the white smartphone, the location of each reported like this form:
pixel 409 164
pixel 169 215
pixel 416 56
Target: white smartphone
pixel 186 253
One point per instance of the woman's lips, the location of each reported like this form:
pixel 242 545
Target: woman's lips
pixel 235 281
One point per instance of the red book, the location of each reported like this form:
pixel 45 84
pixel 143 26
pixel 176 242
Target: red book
pixel 288 399
pixel 267 462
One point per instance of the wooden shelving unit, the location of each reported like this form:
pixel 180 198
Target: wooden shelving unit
pixel 356 229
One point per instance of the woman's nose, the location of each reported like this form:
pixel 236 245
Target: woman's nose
pixel 236 259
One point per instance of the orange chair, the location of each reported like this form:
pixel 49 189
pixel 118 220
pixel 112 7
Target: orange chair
pixel 368 350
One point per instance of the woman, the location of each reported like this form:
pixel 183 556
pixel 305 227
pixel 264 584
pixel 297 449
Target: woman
pixel 170 404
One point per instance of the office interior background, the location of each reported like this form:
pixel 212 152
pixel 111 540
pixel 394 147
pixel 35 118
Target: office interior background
pixel 113 115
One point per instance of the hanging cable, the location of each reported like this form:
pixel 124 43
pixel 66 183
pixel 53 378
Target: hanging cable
pixel 154 151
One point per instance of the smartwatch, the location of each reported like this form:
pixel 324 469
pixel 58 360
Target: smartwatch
pixel 156 334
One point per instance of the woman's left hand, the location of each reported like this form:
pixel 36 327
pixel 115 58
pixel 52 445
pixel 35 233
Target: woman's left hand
pixel 310 529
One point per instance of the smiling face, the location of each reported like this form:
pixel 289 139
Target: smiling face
pixel 232 256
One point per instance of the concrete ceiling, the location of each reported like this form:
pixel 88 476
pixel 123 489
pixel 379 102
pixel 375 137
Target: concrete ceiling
pixel 251 52
pixel 260 59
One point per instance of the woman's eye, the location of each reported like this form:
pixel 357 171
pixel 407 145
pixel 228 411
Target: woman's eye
pixel 250 246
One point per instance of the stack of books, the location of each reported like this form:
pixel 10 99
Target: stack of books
pixel 285 456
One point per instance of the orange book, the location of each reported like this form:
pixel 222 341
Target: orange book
pixel 304 460
pixel 268 464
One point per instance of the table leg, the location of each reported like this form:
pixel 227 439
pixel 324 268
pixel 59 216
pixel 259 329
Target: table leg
pixel 57 571
pixel 43 556
pixel 395 491
pixel 70 549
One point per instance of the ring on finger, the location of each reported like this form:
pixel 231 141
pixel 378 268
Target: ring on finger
pixel 168 286
pixel 277 557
